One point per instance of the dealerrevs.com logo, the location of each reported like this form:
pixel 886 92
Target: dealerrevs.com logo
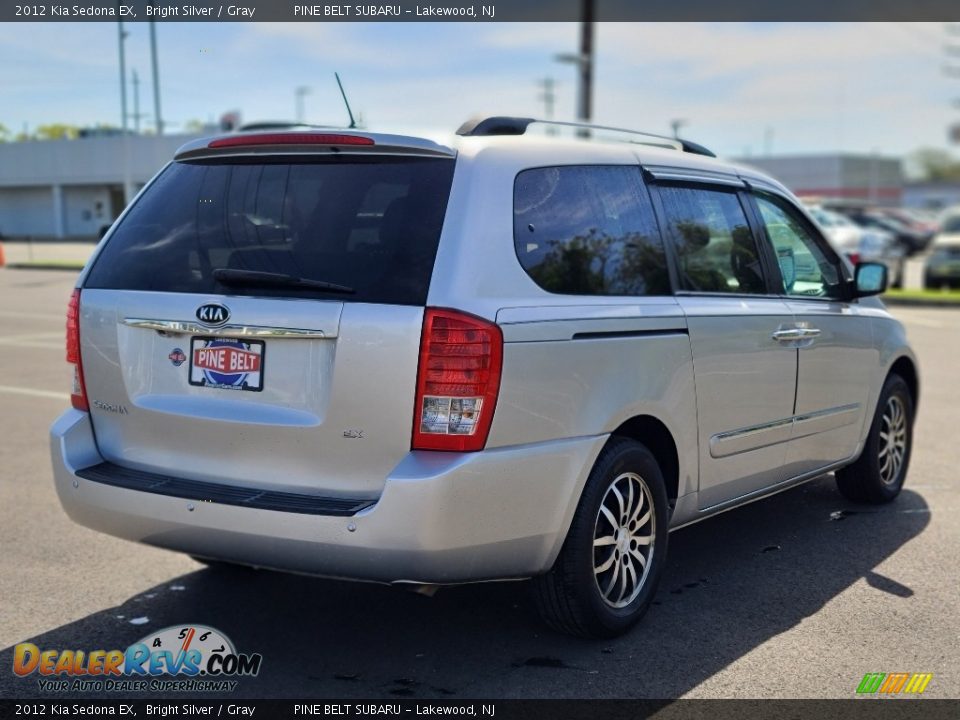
pixel 887 684
pixel 186 658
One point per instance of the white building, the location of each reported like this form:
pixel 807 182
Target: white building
pixel 846 176
pixel 74 188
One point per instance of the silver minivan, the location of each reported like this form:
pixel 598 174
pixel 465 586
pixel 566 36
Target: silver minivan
pixel 507 355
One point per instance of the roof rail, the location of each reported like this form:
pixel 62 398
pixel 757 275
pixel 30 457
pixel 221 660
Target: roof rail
pixel 504 125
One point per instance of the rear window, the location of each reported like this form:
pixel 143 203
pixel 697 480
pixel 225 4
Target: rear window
pixel 372 226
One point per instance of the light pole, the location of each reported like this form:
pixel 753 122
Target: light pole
pixel 158 118
pixel 675 126
pixel 136 103
pixel 127 180
pixel 121 37
pixel 299 94
pixel 584 62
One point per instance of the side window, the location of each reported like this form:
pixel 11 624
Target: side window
pixel 588 230
pixel 716 250
pixel 807 271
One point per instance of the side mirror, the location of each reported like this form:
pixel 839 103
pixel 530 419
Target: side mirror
pixel 870 278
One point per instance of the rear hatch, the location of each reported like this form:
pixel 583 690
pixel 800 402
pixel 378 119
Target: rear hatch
pixel 255 320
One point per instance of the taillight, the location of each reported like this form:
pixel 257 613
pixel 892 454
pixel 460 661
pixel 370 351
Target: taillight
pixel 458 379
pixel 78 397
pixel 290 139
pixel 854 257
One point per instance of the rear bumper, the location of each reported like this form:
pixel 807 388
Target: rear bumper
pixel 442 517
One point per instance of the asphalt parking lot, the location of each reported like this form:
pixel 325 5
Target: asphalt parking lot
pixel 799 595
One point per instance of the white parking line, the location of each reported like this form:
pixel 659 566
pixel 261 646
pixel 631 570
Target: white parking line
pixel 33 392
pixel 44 316
pixel 925 322
pixel 50 340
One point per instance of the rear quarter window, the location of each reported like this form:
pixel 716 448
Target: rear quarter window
pixel 370 225
pixel 588 230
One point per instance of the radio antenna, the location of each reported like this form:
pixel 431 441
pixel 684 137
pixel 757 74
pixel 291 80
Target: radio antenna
pixel 353 123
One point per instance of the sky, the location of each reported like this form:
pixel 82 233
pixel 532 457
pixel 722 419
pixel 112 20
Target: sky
pixel 742 88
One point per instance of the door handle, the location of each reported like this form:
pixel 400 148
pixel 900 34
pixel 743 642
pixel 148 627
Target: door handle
pixel 795 334
pixel 790 335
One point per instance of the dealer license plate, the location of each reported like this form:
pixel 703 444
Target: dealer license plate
pixel 227 363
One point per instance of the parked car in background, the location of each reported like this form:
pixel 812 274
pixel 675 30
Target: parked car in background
pixel 943 266
pixel 916 221
pixel 861 243
pixel 910 239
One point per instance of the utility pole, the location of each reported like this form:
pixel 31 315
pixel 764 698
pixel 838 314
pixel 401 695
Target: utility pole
pixel 123 77
pixel 586 64
pixel 157 116
pixel 136 103
pixel 299 94
pixel 548 96
pixel 127 179
pixel 768 140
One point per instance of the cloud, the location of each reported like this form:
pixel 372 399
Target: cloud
pixel 819 86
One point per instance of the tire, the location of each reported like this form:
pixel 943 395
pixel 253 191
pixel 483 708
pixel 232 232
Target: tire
pixel 569 597
pixel 876 477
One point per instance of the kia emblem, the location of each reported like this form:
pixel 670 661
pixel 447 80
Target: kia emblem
pixel 213 314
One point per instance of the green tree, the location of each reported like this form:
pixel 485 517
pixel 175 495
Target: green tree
pixel 4 133
pixel 935 165
pixel 601 264
pixel 56 131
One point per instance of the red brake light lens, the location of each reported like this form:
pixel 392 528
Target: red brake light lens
pixel 78 397
pixel 290 139
pixel 461 358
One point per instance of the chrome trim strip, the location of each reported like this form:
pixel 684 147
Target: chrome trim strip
pixel 755 437
pixel 824 420
pixel 178 327
pixel 734 442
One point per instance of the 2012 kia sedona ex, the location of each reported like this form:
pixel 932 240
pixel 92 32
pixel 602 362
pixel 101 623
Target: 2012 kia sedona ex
pixel 383 358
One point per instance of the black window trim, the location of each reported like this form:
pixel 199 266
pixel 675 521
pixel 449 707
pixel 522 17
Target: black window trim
pixel 822 243
pixel 719 184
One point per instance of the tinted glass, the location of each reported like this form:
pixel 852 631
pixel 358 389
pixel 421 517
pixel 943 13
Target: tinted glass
pixel 805 267
pixel 716 250
pixel 588 230
pixel 372 226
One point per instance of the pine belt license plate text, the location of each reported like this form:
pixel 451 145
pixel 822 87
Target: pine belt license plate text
pixel 227 363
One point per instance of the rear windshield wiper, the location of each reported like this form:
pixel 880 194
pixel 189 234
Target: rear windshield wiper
pixel 231 276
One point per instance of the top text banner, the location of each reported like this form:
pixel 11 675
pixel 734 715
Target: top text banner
pixel 491 11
